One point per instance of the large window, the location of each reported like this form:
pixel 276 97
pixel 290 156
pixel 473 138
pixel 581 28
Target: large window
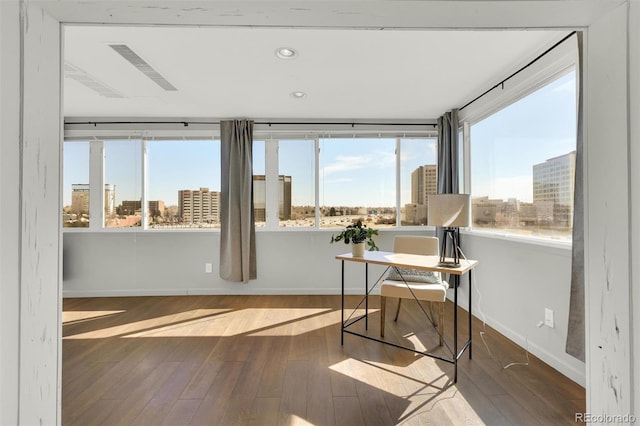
pixel 123 183
pixel 357 182
pixel 175 183
pixel 418 178
pixel 260 202
pixel 183 181
pixel 523 164
pixel 296 183
pixel 75 184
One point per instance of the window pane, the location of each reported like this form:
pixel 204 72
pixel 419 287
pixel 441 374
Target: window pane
pixel 296 185
pixel 523 164
pixel 259 184
pixel 122 188
pixel 75 213
pixel 418 178
pixel 357 181
pixel 183 180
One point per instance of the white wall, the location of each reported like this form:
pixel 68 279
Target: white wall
pixel 607 225
pixel 9 210
pixel 169 262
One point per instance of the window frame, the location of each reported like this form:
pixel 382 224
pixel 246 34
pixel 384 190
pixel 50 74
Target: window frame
pixel 271 139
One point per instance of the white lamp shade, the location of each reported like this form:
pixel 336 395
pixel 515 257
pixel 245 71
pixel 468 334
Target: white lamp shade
pixel 449 210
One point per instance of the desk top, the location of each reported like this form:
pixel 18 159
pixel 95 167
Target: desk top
pixel 413 261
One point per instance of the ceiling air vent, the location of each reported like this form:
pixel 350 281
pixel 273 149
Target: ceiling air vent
pixel 86 79
pixel 142 65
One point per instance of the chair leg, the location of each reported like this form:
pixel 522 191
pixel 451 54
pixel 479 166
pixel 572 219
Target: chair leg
pixel 398 310
pixel 383 309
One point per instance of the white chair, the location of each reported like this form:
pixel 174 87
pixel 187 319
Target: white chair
pixel 426 289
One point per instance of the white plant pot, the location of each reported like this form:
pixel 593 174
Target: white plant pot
pixel 357 250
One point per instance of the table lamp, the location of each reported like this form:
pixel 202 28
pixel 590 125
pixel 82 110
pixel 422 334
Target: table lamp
pixel 449 211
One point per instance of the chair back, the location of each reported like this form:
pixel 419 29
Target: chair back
pixel 413 244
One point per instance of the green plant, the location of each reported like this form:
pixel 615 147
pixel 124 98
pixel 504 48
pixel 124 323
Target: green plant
pixel 357 233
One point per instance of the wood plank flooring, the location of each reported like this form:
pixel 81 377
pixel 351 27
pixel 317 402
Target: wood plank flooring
pixel 277 360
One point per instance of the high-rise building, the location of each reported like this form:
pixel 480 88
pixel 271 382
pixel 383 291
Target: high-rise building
pixel 156 208
pixel 424 181
pixel 80 198
pixel 553 182
pixel 198 206
pixel 260 197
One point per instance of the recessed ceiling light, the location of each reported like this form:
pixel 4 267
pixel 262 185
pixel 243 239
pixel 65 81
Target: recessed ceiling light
pixel 298 95
pixel 286 53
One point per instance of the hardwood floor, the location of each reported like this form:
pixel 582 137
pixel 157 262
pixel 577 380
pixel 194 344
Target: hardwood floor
pixel 277 360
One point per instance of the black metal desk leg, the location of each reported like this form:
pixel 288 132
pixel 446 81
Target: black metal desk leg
pixel 366 296
pixel 342 310
pixel 456 282
pixel 470 317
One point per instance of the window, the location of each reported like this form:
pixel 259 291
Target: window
pixel 75 178
pixel 175 183
pixel 523 164
pixel 183 181
pixel 123 183
pixel 357 181
pixel 296 183
pixel 418 178
pixel 259 184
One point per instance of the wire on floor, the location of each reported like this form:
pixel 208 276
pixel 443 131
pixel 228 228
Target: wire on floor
pixel 484 326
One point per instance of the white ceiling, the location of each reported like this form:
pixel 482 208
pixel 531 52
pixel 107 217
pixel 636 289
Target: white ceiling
pixel 346 73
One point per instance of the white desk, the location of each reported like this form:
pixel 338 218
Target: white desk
pixel 413 261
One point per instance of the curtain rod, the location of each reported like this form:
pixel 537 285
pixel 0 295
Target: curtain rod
pixel 269 123
pixel 540 56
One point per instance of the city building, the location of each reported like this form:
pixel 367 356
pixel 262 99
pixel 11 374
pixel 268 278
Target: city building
pixel 424 181
pixel 260 197
pixel 553 182
pixel 199 206
pixel 80 198
pixel 155 208
pixel 130 207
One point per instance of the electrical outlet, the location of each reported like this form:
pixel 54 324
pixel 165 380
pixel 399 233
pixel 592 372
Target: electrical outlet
pixel 548 317
pixel 208 268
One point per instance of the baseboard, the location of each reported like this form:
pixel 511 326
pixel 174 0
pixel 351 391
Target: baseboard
pixel 209 291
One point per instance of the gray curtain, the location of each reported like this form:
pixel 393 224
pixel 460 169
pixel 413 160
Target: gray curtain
pixel 575 331
pixel 448 171
pixel 448 153
pixel 237 234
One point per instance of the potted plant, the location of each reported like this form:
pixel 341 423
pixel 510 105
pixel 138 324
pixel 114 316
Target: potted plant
pixel 357 234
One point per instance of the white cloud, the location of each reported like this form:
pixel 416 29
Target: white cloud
pixel 344 163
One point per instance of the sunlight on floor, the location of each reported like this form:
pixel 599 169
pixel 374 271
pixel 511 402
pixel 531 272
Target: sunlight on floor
pixel 79 316
pixel 221 322
pixel 421 383
pixel 151 324
pixel 298 421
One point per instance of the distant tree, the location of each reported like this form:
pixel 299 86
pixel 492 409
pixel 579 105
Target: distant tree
pixel 332 211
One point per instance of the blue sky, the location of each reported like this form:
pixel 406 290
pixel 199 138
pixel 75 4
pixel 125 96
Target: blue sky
pixel 353 171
